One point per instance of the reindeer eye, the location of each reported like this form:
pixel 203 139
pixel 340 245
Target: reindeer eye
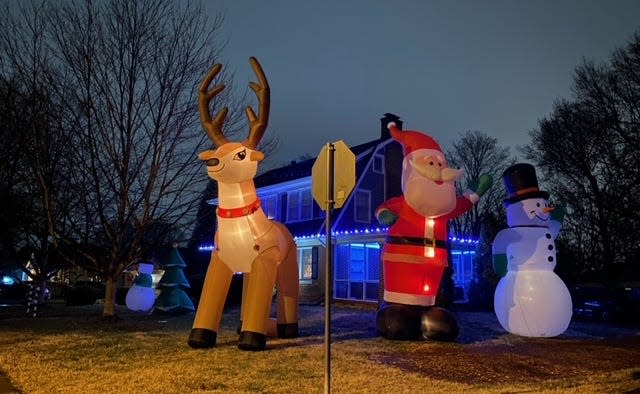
pixel 240 155
pixel 431 163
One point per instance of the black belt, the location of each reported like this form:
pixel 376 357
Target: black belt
pixel 417 241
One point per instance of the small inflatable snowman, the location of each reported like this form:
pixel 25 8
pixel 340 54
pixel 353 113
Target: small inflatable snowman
pixel 530 299
pixel 141 296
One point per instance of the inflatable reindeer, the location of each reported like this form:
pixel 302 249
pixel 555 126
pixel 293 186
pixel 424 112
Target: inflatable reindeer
pixel 246 240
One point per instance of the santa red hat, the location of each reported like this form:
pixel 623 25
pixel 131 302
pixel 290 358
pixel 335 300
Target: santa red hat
pixel 413 140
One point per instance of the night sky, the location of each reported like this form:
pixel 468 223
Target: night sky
pixel 336 66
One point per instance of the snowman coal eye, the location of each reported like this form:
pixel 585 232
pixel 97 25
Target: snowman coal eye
pixel 538 204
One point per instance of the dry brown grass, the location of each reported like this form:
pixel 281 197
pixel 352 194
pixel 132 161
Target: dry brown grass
pixel 69 350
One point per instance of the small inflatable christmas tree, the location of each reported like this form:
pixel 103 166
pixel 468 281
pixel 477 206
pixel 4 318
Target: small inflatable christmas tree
pixel 172 285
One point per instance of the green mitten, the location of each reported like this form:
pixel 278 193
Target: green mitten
pixel 483 184
pixel 387 218
pixel 500 264
pixel 558 213
pixel 143 280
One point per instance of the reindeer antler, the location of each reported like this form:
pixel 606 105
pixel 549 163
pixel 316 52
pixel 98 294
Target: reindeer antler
pixel 258 123
pixel 212 127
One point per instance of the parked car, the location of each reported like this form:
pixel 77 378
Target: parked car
pixel 596 303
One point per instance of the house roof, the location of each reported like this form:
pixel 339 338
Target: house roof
pixel 301 169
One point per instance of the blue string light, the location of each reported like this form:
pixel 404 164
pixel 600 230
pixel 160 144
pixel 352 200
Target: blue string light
pixel 368 231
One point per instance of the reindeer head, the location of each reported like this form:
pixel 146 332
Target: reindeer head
pixel 233 162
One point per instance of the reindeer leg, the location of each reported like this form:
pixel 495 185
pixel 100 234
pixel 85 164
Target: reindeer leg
pixel 288 287
pixel 245 287
pixel 259 293
pixel 214 293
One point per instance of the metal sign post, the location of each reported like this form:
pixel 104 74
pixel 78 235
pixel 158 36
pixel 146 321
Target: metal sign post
pixel 331 191
pixel 328 269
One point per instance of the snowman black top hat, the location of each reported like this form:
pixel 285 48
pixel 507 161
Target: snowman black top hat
pixel 521 183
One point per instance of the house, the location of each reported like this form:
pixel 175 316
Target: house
pixel 357 238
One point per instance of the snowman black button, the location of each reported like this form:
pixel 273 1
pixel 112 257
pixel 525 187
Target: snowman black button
pixel 548 235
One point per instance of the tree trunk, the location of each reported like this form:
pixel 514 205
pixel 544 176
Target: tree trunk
pixel 108 312
pixel 42 292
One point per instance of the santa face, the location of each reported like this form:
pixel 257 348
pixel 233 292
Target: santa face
pixel 529 212
pixel 428 183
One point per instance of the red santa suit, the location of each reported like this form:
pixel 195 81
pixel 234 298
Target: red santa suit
pixel 415 251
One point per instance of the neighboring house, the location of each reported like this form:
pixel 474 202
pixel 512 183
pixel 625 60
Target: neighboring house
pixel 357 237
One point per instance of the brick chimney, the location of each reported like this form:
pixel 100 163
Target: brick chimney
pixel 384 132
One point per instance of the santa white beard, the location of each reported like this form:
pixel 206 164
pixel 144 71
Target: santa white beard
pixel 428 198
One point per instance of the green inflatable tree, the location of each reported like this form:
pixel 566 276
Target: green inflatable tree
pixel 172 285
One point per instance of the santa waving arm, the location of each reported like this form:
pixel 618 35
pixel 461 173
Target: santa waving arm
pixel 388 212
pixel 472 195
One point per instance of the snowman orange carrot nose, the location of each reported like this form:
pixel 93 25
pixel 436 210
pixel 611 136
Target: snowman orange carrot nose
pixel 548 209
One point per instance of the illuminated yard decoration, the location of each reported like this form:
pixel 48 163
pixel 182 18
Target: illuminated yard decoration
pixel 530 299
pixel 140 296
pixel 172 298
pixel 246 240
pixel 415 251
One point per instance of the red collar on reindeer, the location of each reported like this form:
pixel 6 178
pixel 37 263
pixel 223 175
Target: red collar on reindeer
pixel 239 212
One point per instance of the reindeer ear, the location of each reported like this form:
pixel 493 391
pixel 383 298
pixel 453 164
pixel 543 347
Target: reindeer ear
pixel 256 156
pixel 206 155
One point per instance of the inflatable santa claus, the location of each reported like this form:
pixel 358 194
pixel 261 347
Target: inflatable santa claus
pixel 415 253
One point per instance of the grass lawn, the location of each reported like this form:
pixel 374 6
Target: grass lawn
pixel 70 350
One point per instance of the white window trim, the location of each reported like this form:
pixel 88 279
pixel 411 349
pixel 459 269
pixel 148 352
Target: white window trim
pixel 300 251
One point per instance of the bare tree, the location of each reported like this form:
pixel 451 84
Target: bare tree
pixel 12 185
pixel 39 148
pixel 589 151
pixel 123 76
pixel 478 154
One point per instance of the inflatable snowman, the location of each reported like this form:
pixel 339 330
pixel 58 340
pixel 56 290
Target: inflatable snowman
pixel 530 299
pixel 141 296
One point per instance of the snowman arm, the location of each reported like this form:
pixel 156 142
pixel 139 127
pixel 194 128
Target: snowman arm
pixel 555 227
pixel 500 264
pixel 499 254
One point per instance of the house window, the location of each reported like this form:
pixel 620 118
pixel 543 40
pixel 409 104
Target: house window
pixel 378 164
pixel 306 205
pixel 357 271
pixel 270 206
pixel 462 261
pixel 299 205
pixel 308 263
pixel 362 211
